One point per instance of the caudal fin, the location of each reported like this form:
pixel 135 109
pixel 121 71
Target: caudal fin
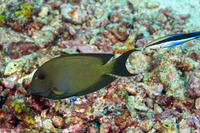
pixel 119 64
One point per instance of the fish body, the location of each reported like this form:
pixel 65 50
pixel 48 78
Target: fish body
pixel 172 40
pixel 77 74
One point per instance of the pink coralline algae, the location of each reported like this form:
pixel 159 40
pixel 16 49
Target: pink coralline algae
pixel 23 48
pixel 165 100
pixel 193 85
pixel 75 2
pixel 43 38
pixel 103 43
pixel 141 42
pixel 73 13
pixel 110 36
pixel 73 129
pixel 168 13
pixel 81 46
pixel 19 16
pixel 120 33
pixel 117 122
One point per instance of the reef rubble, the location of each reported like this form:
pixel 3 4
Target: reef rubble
pixel 163 97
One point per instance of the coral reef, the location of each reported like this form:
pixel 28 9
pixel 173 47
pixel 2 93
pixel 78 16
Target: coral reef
pixel 164 96
pixel 19 16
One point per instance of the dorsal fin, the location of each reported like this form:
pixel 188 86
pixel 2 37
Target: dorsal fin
pixel 104 57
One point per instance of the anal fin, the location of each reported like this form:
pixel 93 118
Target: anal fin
pixel 103 82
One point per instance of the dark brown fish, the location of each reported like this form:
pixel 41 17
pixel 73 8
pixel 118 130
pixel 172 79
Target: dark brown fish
pixel 77 74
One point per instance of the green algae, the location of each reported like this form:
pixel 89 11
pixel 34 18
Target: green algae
pixel 20 107
pixel 2 17
pixel 26 10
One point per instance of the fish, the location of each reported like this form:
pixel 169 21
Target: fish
pixel 172 40
pixel 77 74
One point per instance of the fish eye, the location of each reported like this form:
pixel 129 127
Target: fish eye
pixel 41 76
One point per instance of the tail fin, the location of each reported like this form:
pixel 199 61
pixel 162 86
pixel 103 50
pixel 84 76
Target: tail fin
pixel 119 64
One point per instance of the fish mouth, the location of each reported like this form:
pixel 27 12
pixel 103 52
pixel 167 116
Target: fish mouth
pixel 31 91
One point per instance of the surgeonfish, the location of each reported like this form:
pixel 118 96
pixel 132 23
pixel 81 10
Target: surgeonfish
pixel 172 40
pixel 77 74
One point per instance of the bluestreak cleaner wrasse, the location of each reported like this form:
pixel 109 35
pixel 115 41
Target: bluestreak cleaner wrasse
pixel 77 74
pixel 172 40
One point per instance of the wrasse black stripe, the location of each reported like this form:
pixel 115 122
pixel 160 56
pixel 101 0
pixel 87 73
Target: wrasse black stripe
pixel 177 37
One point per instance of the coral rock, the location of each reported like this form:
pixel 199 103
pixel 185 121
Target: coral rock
pixel 197 103
pixel 139 62
pixel 75 2
pixel 133 130
pixel 14 66
pixel 153 90
pixel 152 4
pixel 138 78
pixel 166 125
pixel 124 120
pixel 162 18
pixel 44 12
pixel 73 13
pixel 193 86
pixel 146 125
pixel 177 89
pixel 73 129
pixel 58 121
pixel 43 38
pixel 109 35
pixel 157 108
pixel 133 104
pixel 149 103
pixel 154 28
pixel 168 13
pixel 120 33
pixel 165 100
pixel 73 121
pixel 19 16
pixel 8 82
pixel 16 50
pixel 47 123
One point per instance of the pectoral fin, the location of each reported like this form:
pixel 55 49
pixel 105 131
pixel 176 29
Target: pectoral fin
pixel 56 91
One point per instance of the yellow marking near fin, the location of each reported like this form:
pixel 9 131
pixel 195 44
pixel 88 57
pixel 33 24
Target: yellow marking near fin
pixel 128 42
pixel 189 42
pixel 57 91
pixel 155 40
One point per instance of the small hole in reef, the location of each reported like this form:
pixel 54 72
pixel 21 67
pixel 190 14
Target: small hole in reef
pixel 78 51
pixel 37 66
